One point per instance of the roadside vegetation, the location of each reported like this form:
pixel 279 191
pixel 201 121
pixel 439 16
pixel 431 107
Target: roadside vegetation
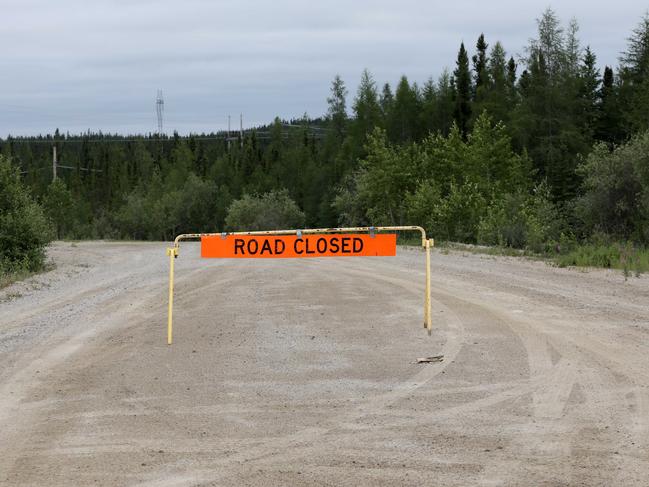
pixel 24 228
pixel 625 257
pixel 548 155
pixel 629 259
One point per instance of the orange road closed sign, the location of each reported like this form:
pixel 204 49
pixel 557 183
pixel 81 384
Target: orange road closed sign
pixel 293 246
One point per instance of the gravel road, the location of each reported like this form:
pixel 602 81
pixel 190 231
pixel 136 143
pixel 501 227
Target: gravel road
pixel 304 372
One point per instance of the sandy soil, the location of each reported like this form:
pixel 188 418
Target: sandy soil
pixel 303 372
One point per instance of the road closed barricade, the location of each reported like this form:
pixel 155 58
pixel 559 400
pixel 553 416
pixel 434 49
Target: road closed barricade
pixel 306 243
pixel 294 246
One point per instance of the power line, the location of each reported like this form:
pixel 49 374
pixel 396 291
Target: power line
pixel 80 168
pixel 259 134
pixel 229 139
pixel 33 170
pixel 54 162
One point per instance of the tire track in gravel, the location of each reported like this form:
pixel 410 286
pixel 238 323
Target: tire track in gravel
pixel 305 439
pixel 304 442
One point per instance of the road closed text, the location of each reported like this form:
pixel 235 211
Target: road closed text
pixel 292 246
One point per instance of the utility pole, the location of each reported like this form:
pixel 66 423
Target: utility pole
pixel 159 108
pixel 54 161
pixel 228 133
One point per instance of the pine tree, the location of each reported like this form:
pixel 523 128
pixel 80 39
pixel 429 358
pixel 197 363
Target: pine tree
pixel 445 103
pixel 545 121
pixel 494 96
pixel 550 43
pixel 367 110
pixel 588 94
pixel 480 63
pixel 429 107
pixel 386 101
pixel 337 110
pixel 634 80
pixel 463 90
pixel 609 123
pixel 572 55
pixel 403 121
pixel 512 94
pixel 338 159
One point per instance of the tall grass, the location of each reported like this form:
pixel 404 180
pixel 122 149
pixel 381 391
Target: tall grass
pixel 631 260
pixel 625 257
pixel 8 277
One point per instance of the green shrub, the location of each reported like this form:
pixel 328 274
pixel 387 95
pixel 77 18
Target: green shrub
pixel 59 208
pixel 24 229
pixel 271 211
pixel 625 257
pixel 522 221
pixel 615 197
pixel 454 217
pixel 154 212
pixel 504 223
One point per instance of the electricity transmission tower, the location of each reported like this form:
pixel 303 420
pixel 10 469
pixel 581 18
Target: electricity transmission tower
pixel 159 109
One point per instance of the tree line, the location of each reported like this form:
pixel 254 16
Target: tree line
pixel 535 151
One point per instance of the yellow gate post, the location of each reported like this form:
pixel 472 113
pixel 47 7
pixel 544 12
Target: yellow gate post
pixel 172 252
pixel 428 322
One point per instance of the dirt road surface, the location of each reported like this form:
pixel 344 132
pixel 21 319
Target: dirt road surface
pixel 303 372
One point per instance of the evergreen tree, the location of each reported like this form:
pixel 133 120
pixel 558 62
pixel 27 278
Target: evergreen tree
pixel 445 103
pixel 634 78
pixel 572 54
pixel 271 172
pixel 143 161
pixel 429 107
pixel 463 89
pixel 550 44
pixel 511 82
pixel 337 111
pixel 545 121
pixel 494 95
pixel 588 93
pixel 366 108
pixel 480 63
pixel 403 120
pixel 337 119
pixel 386 101
pixel 609 125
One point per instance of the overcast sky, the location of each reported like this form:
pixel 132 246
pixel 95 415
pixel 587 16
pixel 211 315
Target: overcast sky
pixel 82 64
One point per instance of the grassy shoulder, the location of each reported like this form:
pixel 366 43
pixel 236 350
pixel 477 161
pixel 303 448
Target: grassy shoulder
pixel 629 259
pixel 8 278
